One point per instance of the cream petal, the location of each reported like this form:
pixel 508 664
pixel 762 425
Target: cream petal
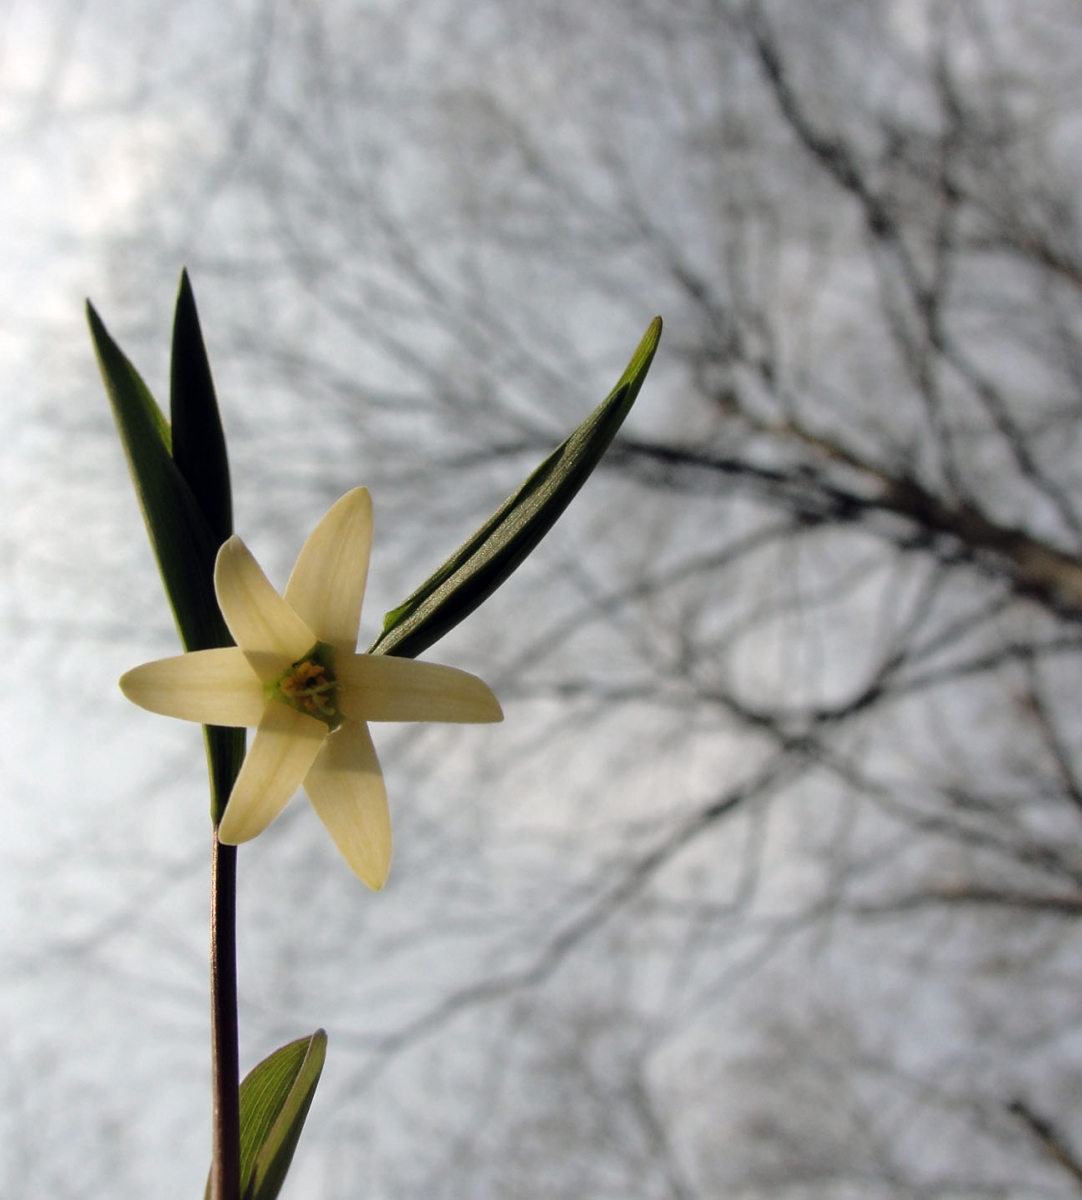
pixel 259 619
pixel 281 754
pixel 327 585
pixel 346 788
pixel 379 687
pixel 214 687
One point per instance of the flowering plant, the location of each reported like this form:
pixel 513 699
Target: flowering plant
pixel 287 665
pixel 294 676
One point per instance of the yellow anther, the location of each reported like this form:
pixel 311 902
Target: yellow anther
pixel 309 687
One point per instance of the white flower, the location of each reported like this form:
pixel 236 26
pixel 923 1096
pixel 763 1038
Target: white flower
pixel 295 675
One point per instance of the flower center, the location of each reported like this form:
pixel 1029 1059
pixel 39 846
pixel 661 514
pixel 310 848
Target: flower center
pixel 309 687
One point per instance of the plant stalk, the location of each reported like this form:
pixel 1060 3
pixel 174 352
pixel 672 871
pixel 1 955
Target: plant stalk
pixel 225 1055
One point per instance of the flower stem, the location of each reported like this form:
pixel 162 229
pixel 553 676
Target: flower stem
pixel 225 1057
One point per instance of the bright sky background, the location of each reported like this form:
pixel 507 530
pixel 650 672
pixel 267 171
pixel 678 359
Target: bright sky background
pixel 102 858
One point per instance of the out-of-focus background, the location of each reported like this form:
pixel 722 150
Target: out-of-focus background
pixel 771 883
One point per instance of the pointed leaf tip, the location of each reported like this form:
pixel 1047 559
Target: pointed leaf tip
pixel 181 480
pixel 199 448
pixel 180 534
pixel 485 561
pixel 274 1101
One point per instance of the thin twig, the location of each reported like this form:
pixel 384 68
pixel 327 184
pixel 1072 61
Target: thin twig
pixel 1050 1138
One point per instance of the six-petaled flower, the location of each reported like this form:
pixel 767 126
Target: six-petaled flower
pixel 296 677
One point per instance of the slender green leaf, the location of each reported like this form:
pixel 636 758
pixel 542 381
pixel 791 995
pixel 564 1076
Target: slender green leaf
pixel 172 492
pixel 274 1102
pixel 199 452
pixel 180 535
pixel 481 564
pixel 198 441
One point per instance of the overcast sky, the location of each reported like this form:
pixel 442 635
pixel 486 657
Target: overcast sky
pixel 140 138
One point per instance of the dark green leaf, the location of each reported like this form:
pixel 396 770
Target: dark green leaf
pixel 198 441
pixel 484 562
pixel 180 535
pixel 200 455
pixel 274 1102
pixel 184 540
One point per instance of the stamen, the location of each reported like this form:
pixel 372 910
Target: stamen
pixel 309 686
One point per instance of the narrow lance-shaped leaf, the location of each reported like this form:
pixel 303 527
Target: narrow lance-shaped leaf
pixel 479 566
pixel 198 441
pixel 199 452
pixel 179 533
pixel 181 479
pixel 275 1098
